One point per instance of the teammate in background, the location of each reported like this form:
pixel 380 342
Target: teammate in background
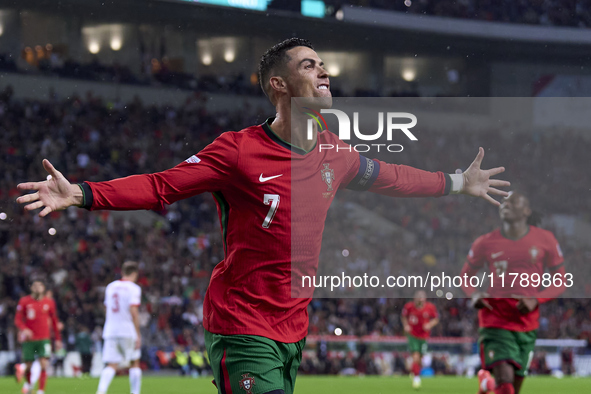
pixel 418 319
pixel 509 316
pixel 254 327
pixel 36 366
pixel 121 333
pixel 34 314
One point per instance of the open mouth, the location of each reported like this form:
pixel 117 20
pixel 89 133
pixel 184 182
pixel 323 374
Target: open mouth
pixel 323 86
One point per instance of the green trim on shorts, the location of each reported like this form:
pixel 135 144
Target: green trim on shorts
pixel 515 347
pixel 416 344
pixel 36 349
pixel 251 364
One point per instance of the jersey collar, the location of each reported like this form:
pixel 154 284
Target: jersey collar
pixel 296 149
pixel 515 239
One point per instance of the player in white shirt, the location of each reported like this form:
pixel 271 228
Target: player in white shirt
pixel 121 334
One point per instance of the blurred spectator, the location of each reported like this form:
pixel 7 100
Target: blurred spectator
pixel 573 13
pixel 84 347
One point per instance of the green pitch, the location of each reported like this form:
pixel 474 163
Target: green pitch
pixel 309 385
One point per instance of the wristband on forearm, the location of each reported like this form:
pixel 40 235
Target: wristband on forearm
pixel 457 183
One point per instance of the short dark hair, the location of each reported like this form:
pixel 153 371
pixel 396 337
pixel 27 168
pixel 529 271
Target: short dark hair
pixel 129 267
pixel 275 58
pixel 40 280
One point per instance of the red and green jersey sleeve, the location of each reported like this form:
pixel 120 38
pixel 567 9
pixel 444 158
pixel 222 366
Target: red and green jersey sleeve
pixel 396 180
pixel 208 171
pixel 553 258
pixel 19 317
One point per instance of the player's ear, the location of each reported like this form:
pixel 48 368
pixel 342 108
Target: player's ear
pixel 527 211
pixel 278 84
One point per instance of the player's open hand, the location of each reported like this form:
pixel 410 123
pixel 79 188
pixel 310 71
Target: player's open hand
pixel 477 182
pixel 53 194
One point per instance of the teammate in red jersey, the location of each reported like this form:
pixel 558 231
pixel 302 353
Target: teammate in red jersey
pixel 418 319
pixel 508 315
pixel 34 314
pixel 255 327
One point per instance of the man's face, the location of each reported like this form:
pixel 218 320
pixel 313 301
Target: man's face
pixel 514 208
pixel 38 288
pixel 306 76
pixel 420 298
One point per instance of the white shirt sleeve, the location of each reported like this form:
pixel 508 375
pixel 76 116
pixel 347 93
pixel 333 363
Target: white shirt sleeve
pixel 136 296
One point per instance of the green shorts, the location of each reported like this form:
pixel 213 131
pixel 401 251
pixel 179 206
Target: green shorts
pixel 498 345
pixel 36 349
pixel 250 364
pixel 416 344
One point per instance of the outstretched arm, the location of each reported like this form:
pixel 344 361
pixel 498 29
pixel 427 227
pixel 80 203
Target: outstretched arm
pixel 210 171
pixel 404 181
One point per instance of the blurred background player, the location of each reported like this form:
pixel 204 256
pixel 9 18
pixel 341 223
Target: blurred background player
pixel 509 316
pixel 34 314
pixel 122 329
pixel 84 347
pixel 418 319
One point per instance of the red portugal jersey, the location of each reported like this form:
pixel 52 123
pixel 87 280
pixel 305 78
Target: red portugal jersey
pixel 36 316
pixel 418 317
pixel 535 252
pixel 272 201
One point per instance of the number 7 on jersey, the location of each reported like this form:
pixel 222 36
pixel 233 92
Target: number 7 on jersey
pixel 273 200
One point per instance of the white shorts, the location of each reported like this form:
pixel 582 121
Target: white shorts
pixel 120 351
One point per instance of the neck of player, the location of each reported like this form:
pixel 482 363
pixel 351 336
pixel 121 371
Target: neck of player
pixel 293 129
pixel 515 230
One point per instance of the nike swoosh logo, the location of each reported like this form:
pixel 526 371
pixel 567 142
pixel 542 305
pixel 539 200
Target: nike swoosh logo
pixel 495 255
pixel 263 179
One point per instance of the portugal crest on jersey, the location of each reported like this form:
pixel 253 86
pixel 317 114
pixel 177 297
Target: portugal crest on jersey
pixel 247 383
pixel 327 176
pixel 534 252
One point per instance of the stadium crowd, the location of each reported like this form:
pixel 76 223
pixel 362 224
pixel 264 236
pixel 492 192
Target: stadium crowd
pixel 89 139
pixel 572 13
